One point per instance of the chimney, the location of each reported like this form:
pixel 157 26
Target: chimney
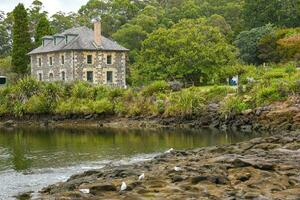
pixel 97 30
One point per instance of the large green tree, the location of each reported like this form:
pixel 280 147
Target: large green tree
pixel 35 13
pixel 190 51
pixel 5 45
pixel 286 13
pixel 21 40
pixel 247 42
pixel 43 28
pixel 61 21
pixel 132 34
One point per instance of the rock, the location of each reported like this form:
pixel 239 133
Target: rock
pixel 99 188
pixel 9 123
pixel 177 178
pixel 244 177
pixel 24 196
pixel 197 179
pixel 246 128
pixel 260 164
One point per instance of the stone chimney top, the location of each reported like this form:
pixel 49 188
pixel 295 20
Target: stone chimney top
pixel 97 30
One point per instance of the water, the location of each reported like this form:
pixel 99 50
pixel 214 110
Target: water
pixel 34 158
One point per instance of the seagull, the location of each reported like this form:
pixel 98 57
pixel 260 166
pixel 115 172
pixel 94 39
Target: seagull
pixel 123 186
pixel 142 176
pixel 170 150
pixel 84 191
pixel 177 169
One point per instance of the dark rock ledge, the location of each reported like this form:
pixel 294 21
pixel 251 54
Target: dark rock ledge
pixel 262 169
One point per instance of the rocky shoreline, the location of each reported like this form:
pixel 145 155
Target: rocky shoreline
pixel 279 116
pixel 262 168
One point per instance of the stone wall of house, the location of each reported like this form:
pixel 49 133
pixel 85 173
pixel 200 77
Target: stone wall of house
pixel 77 68
pixel 52 72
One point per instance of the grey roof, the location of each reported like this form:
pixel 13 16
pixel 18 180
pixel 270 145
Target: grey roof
pixel 84 40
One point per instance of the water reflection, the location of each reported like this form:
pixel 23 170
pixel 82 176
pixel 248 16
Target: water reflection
pixel 26 149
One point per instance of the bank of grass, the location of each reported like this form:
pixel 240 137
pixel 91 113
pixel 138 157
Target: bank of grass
pixel 160 98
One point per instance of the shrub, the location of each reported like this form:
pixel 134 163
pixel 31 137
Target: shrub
pixel 103 106
pixel 82 90
pixel 184 103
pixel 36 104
pixel 266 95
pixel 155 88
pixel 234 105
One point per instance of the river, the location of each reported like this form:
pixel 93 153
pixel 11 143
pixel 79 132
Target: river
pixel 31 159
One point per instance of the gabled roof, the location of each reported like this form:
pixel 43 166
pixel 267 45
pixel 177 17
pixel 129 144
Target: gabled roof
pixel 83 40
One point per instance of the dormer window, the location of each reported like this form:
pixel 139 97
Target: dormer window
pixel 46 40
pixel 69 37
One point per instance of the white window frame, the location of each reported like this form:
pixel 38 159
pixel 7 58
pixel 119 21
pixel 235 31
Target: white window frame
pixel 62 61
pixel 61 75
pixel 50 60
pixel 39 61
pixel 39 75
pixel 111 59
pixel 87 59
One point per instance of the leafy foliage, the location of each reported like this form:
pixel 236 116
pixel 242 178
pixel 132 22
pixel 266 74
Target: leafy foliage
pixel 21 40
pixel 189 51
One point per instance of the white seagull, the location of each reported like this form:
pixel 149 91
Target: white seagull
pixel 84 191
pixel 169 151
pixel 177 169
pixel 123 186
pixel 142 176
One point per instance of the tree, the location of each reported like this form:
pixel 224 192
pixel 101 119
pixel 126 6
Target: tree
pixel 247 42
pixel 190 51
pixel 43 28
pixel 35 13
pixel 5 45
pixel 286 13
pixel 21 40
pixel 61 21
pixel 132 34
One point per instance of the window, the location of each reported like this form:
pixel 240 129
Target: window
pixel 63 76
pixel 62 59
pixel 50 61
pixel 89 59
pixel 2 80
pixel 109 76
pixel 40 62
pixel 51 76
pixel 109 59
pixel 40 76
pixel 90 76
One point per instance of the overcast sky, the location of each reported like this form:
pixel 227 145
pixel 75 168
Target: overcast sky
pixel 51 6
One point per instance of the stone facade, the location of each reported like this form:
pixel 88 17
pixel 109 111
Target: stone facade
pixel 81 54
pixel 73 65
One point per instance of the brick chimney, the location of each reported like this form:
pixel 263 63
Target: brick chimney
pixel 97 30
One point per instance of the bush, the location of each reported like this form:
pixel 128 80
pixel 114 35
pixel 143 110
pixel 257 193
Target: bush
pixel 36 104
pixel 155 88
pixel 82 90
pixel 234 105
pixel 266 95
pixel 184 103
pixel 103 106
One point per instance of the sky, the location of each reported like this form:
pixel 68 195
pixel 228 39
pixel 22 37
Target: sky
pixel 51 6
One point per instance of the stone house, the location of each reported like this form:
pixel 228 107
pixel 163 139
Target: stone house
pixel 80 54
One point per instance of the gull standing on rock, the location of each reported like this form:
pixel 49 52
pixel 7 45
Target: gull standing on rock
pixel 142 176
pixel 177 169
pixel 169 151
pixel 123 186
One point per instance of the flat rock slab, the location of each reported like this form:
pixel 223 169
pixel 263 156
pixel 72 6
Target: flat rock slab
pixel 262 168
